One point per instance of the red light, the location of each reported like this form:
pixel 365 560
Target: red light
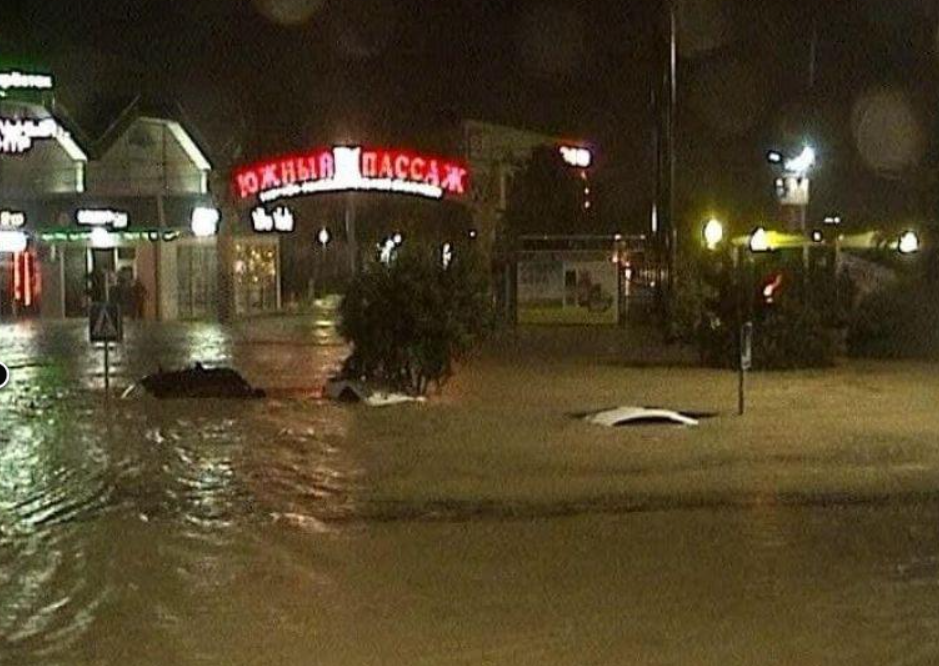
pixel 25 279
pixel 771 287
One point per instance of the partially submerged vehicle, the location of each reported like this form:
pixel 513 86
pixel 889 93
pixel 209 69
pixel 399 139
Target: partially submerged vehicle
pixel 199 382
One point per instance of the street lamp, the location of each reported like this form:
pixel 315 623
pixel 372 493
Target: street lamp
pixel 101 239
pixel 759 240
pixel 204 222
pixel 800 165
pixel 324 237
pixel 713 233
pixel 908 243
pixel 12 242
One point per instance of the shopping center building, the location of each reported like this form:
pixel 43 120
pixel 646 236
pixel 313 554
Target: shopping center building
pixel 132 204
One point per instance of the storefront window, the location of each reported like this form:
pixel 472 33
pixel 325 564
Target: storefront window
pixel 256 271
pixel 197 281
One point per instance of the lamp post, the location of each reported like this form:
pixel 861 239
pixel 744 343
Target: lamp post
pixel 323 237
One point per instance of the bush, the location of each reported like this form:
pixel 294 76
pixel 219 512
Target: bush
pixel 409 321
pixel 895 322
pixel 793 334
pixel 798 330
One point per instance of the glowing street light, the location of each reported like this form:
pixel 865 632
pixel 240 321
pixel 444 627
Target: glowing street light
pixel 204 223
pixel 324 237
pixel 774 157
pixel 101 239
pixel 800 165
pixel 908 243
pixel 12 242
pixel 759 240
pixel 713 233
pixel 397 239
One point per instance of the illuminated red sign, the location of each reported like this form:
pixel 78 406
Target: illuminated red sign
pixel 350 169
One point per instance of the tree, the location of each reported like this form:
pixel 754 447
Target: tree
pixel 546 198
pixel 410 320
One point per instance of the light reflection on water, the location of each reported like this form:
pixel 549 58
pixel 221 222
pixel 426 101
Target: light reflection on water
pixel 219 532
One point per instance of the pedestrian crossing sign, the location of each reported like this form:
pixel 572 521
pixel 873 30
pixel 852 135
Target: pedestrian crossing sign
pixel 105 323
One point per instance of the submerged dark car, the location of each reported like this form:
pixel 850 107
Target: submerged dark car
pixel 200 382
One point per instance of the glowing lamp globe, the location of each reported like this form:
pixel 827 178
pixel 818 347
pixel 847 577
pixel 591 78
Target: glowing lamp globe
pixel 12 242
pixel 205 222
pixel 909 243
pixel 101 239
pixel 713 233
pixel 759 240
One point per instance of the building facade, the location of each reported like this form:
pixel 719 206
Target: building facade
pixel 129 213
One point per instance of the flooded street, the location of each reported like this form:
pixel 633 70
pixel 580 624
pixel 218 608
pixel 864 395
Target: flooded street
pixel 278 532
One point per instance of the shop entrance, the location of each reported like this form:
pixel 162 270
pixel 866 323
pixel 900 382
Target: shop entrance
pixel 197 281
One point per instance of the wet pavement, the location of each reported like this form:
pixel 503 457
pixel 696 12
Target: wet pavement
pixel 261 532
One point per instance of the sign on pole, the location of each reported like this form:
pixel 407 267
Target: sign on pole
pixel 105 325
pixel 746 346
pixel 746 362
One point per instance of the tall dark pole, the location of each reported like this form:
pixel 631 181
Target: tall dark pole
pixel 672 158
pixel 664 97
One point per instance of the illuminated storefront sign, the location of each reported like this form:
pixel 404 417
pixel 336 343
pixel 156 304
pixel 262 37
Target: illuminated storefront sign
pixel 280 219
pixel 12 219
pixel 19 81
pixel 576 156
pixel 12 242
pixel 204 222
pixel 102 217
pixel 17 134
pixel 352 169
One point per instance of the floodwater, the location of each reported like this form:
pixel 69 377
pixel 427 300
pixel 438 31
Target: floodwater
pixel 236 533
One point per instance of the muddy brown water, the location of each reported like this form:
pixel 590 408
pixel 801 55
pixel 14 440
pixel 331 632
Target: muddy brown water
pixel 224 532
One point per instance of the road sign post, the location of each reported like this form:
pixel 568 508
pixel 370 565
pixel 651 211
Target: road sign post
pixel 745 364
pixel 105 325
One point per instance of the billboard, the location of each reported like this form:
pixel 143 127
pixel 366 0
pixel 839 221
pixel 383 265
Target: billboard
pixel 558 289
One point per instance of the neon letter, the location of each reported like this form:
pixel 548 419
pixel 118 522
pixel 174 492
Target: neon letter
pixel 327 166
pixel 417 169
pixel 369 164
pixel 269 177
pixel 247 184
pixel 401 167
pixel 454 181
pixel 433 174
pixel 288 174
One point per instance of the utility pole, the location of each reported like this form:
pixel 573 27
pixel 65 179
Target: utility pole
pixel 664 102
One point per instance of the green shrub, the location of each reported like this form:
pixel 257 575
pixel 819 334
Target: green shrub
pixel 410 320
pixel 793 334
pixel 896 322
pixel 798 330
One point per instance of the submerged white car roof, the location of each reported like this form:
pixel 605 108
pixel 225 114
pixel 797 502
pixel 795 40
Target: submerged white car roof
pixel 626 415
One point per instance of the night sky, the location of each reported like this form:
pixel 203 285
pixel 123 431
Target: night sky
pixel 271 75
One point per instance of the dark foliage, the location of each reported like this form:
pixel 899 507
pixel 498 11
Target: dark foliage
pixel 899 321
pixel 409 321
pixel 546 198
pixel 797 328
